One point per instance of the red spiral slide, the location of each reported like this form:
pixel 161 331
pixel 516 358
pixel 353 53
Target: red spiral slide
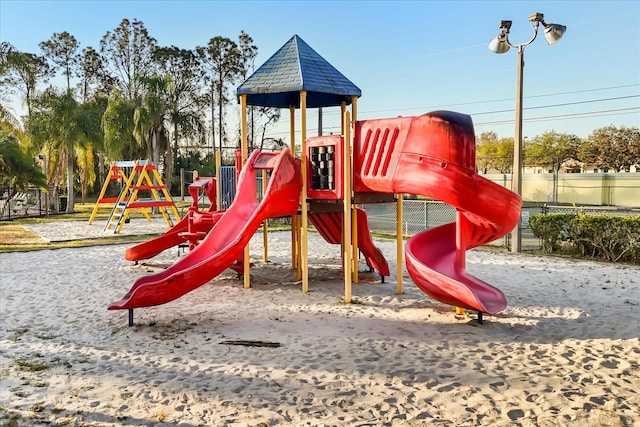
pixel 226 241
pixel 434 155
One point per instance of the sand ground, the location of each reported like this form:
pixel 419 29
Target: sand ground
pixel 566 352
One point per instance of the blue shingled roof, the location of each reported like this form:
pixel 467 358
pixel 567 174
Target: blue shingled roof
pixel 295 67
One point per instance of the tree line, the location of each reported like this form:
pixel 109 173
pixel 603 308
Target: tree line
pixel 128 98
pixel 609 149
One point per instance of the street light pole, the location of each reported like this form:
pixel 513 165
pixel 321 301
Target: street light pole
pixel 501 44
pixel 516 233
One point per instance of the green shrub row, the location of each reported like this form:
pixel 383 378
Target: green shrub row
pixel 611 238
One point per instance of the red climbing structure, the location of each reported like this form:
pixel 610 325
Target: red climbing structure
pixel 431 155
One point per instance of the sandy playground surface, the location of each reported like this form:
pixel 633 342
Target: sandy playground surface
pixel 566 352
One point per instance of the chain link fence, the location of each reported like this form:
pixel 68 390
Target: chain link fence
pixel 421 215
pixel 417 215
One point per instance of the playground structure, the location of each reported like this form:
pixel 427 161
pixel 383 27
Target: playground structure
pixel 191 228
pixel 138 178
pixel 431 155
pixel 224 245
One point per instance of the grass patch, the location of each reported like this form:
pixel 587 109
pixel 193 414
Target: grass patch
pixel 16 238
pixel 36 408
pixel 14 234
pixel 112 240
pixel 27 365
pixel 83 211
pixel 37 363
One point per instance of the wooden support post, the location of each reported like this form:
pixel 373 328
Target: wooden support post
pixel 296 246
pixel 354 209
pixel 304 238
pixel 265 224
pixel 182 184
pixel 354 244
pixel 244 154
pixel 346 214
pixel 399 246
pixel 295 225
pixel 219 180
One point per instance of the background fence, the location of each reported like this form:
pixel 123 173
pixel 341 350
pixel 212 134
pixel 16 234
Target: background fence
pixel 227 186
pixel 28 203
pixel 418 215
pixel 594 189
pixel 421 215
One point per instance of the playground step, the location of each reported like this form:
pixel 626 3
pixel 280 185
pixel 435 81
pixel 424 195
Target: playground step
pixel 148 187
pixel 150 203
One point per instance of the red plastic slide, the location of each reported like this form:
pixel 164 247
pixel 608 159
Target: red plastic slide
pixel 226 241
pixel 434 155
pixel 173 237
pixel 194 222
pixel 329 225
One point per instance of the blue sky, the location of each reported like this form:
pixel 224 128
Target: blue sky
pixel 407 57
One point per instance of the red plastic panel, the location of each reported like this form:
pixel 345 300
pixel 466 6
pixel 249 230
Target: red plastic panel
pixel 207 185
pixel 325 168
pixel 445 136
pixel 377 146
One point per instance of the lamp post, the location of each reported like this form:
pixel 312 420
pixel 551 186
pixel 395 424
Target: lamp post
pixel 501 44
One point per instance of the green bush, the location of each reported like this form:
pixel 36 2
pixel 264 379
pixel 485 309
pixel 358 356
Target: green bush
pixel 600 236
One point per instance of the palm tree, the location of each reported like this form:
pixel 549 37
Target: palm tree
pixel 90 124
pixel 118 126
pixel 150 116
pixel 54 127
pixel 10 124
pixel 184 97
pixel 137 128
pixel 17 168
